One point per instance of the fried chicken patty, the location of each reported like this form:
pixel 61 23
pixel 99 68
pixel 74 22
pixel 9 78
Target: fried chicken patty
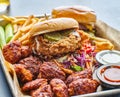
pixel 44 47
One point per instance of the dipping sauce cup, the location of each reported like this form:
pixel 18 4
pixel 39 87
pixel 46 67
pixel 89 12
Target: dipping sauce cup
pixel 109 76
pixel 108 57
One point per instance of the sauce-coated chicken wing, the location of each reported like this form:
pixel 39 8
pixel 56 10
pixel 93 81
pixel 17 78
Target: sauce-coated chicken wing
pixel 59 88
pixel 34 84
pixel 82 86
pixel 14 51
pixel 32 64
pixel 87 73
pixel 23 74
pixel 43 91
pixel 50 70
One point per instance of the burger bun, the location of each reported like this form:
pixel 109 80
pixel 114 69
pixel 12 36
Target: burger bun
pixel 80 13
pixel 52 25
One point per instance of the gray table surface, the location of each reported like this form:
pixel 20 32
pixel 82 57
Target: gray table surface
pixel 106 10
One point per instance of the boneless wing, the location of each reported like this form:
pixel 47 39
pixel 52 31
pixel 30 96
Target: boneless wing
pixel 14 51
pixel 82 86
pixel 31 63
pixel 23 74
pixel 59 88
pixel 43 91
pixel 87 73
pixel 50 70
pixel 25 51
pixel 34 84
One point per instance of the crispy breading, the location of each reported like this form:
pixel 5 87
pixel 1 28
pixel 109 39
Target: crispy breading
pixel 65 45
pixel 59 88
pixel 23 74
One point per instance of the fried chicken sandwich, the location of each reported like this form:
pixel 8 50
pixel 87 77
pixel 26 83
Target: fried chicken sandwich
pixel 55 37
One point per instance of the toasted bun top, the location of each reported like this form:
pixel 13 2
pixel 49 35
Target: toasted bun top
pixel 53 25
pixel 81 13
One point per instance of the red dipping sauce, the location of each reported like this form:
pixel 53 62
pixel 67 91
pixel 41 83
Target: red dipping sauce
pixel 111 73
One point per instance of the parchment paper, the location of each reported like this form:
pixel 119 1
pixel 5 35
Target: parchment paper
pixel 103 30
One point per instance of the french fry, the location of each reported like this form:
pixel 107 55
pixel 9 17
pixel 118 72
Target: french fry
pixel 67 71
pixel 25 42
pixel 28 27
pixel 10 19
pixel 25 30
pixel 19 21
pixel 22 26
pixel 24 37
pixel 35 20
pixel 15 27
pixel 87 65
pixel 16 36
pixel 20 33
pixel 28 20
pixel 21 17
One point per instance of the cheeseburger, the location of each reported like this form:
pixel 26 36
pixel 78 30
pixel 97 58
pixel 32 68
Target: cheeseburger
pixel 84 15
pixel 55 37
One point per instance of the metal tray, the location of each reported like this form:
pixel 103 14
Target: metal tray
pixel 103 30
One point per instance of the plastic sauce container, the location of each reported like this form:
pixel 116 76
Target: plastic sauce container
pixel 109 76
pixel 108 57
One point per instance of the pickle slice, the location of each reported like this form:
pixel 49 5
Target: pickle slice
pixel 66 32
pixel 54 36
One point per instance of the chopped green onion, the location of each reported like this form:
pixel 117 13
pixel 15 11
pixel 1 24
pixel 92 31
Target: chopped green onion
pixel 76 68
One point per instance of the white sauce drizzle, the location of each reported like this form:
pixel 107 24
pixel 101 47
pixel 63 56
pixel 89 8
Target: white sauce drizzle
pixel 76 33
pixel 111 58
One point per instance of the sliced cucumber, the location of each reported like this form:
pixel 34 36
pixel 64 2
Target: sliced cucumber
pixel 8 32
pixel 2 37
